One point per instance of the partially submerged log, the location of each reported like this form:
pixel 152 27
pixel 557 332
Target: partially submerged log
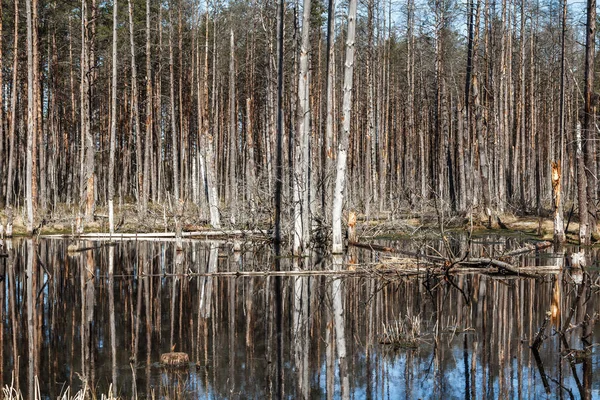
pixel 174 359
pixel 208 234
pixel 500 263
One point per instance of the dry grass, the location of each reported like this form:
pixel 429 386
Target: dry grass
pixel 9 392
pixel 403 333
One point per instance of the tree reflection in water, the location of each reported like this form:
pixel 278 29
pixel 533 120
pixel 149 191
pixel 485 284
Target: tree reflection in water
pixel 88 315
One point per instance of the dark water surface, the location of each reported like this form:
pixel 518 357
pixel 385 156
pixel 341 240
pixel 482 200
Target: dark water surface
pixel 65 320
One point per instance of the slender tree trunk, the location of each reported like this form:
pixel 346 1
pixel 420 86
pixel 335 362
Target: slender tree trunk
pixel 327 194
pixel 251 175
pixel 13 122
pixel 135 111
pixel 2 130
pixel 558 164
pixel 589 126
pixel 479 127
pixel 148 141
pixel 584 230
pixel 211 176
pixel 233 193
pixel 279 139
pixel 113 127
pixel 302 139
pixel 340 181
pixel 30 118
pixel 174 132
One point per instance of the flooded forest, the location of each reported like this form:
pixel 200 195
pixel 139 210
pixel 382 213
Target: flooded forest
pixel 299 199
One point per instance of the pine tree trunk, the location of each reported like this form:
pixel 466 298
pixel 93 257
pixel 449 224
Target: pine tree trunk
pixel 135 111
pixel 30 118
pixel 148 142
pixel 340 182
pixel 13 121
pixel 174 132
pixel 113 126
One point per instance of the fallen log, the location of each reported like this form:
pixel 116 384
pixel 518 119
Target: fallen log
pixel 385 249
pixel 501 265
pixel 208 234
pixel 470 262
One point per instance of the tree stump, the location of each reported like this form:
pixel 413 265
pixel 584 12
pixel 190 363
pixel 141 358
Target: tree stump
pixel 174 359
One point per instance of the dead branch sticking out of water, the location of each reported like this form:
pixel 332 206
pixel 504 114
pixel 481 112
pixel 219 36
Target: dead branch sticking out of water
pixel 500 263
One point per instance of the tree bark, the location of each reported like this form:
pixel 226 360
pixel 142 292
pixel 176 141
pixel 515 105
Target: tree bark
pixel 211 184
pixel 174 132
pixel 30 118
pixel 302 139
pixel 340 181
pixel 113 127
pixel 589 126
pixel 13 122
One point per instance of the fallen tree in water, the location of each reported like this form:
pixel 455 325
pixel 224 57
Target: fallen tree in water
pixel 502 263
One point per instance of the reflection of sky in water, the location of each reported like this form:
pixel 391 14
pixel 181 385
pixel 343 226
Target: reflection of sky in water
pixel 386 374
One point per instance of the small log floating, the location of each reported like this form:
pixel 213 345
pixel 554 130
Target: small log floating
pixel 174 359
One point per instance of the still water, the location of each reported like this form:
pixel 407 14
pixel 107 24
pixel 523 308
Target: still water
pixel 66 320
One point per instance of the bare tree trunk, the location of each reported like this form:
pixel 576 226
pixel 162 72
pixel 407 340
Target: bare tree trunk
pixel 589 126
pixel 233 193
pixel 148 142
pixel 557 166
pixel 584 231
pixel 211 183
pixel 2 131
pixel 113 129
pixel 13 122
pixel 174 132
pixel 481 138
pixel 340 181
pixel 279 140
pixel 327 194
pixel 30 118
pixel 251 175
pixel 135 111
pixel 302 138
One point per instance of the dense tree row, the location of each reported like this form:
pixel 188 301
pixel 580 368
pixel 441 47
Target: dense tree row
pixel 461 107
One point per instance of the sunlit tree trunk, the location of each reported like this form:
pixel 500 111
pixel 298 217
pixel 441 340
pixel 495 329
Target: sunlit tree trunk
pixel 327 194
pixel 302 139
pixel 558 165
pixel 211 183
pixel 340 182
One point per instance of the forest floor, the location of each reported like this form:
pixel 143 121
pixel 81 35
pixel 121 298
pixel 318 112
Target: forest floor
pixel 159 219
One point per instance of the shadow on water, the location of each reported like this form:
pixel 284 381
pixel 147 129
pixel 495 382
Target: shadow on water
pixel 105 316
